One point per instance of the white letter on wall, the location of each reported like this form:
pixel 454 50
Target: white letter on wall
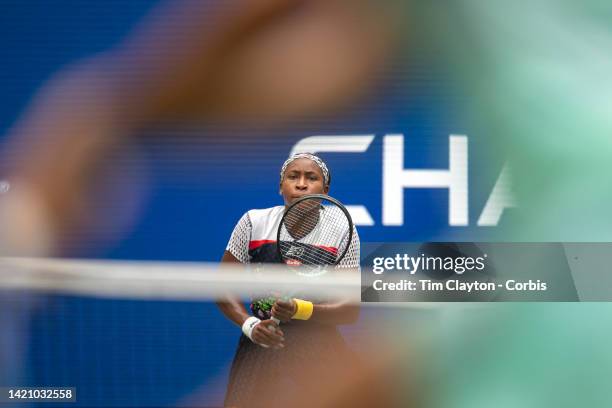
pixel 501 198
pixel 340 144
pixel 396 179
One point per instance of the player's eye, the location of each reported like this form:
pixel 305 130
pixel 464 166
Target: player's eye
pixel 292 177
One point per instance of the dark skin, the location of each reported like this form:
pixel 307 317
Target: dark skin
pixel 302 176
pixel 267 333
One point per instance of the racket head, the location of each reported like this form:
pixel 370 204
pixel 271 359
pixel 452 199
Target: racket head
pixel 315 231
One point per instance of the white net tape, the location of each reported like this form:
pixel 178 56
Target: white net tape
pixel 165 280
pixel 154 280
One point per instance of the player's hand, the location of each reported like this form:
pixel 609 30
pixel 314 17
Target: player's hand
pixel 284 310
pixel 268 334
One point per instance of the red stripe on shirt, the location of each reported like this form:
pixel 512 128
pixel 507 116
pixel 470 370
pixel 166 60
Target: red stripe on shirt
pixel 328 249
pixel 257 244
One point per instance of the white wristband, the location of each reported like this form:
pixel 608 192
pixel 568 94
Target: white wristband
pixel 248 326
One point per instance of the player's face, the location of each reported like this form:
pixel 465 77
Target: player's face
pixel 302 176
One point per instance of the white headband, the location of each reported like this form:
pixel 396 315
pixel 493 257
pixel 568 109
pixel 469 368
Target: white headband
pixel 309 156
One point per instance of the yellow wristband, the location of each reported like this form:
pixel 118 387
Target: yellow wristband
pixel 304 309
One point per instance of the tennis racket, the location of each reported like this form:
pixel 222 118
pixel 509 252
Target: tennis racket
pixel 314 234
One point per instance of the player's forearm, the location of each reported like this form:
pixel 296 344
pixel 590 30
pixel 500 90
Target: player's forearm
pixel 335 313
pixel 230 306
pixel 234 310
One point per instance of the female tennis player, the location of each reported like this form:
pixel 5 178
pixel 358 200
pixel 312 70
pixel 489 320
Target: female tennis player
pixel 270 357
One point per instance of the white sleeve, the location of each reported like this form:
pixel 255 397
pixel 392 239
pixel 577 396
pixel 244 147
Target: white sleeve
pixel 351 259
pixel 238 244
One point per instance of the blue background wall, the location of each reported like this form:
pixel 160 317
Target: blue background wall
pixel 197 184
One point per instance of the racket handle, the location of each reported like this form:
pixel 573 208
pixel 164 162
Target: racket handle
pixel 275 320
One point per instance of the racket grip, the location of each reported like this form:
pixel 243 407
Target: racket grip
pixel 275 320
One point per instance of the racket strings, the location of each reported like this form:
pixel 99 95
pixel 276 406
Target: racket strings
pixel 306 215
pixel 314 234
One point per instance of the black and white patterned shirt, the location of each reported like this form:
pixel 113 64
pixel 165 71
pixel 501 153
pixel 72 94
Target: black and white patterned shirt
pixel 254 238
